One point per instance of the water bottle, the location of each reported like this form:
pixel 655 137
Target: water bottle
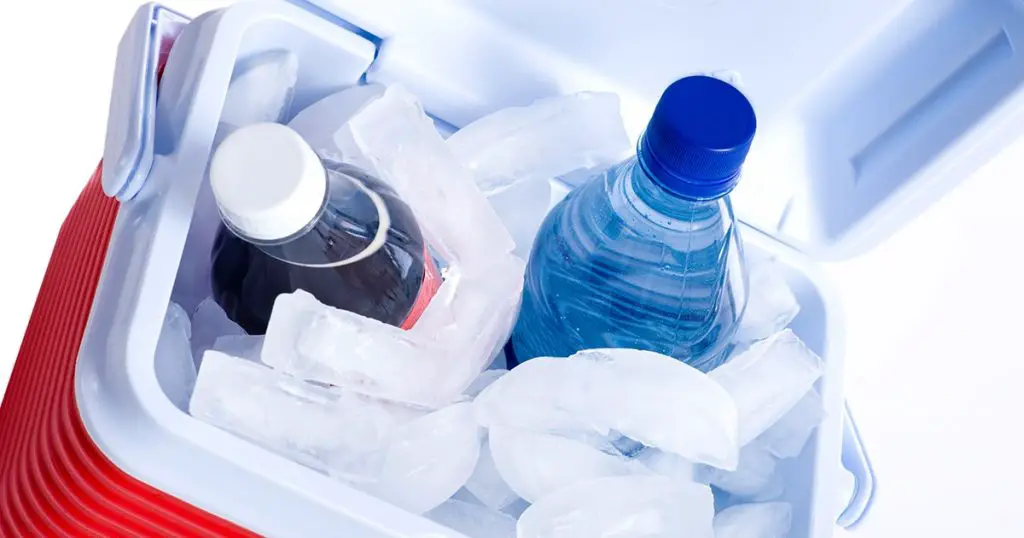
pixel 647 255
pixel 291 220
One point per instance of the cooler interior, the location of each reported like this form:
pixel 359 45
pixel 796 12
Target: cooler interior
pixel 810 480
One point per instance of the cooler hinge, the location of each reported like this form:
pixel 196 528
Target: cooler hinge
pixel 463 62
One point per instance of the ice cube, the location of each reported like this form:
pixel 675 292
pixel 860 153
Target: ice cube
pixel 543 395
pixel 242 346
pixel 261 90
pixel 474 521
pixel 483 381
pixel 396 136
pixel 312 341
pixel 664 403
pixel 471 315
pixel 428 460
pixel 751 478
pixel 651 398
pixel 175 368
pixel 522 207
pixel 668 464
pixel 515 152
pixel 486 483
pixel 303 422
pixel 771 307
pixel 625 506
pixel 209 322
pixel 767 380
pixel 765 520
pixel 549 138
pixel 319 122
pixel 787 438
pixel 537 464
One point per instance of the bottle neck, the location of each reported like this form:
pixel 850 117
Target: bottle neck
pixel 653 193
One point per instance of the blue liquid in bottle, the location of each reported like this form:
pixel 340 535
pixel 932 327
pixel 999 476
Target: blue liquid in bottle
pixel 647 255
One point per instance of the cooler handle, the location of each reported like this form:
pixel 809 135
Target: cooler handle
pixel 855 460
pixel 128 150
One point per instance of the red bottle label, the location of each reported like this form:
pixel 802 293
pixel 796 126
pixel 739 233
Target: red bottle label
pixel 431 283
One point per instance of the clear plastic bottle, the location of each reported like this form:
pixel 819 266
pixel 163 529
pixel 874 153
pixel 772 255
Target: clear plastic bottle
pixel 291 220
pixel 648 255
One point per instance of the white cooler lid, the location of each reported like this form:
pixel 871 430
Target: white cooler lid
pixel 869 110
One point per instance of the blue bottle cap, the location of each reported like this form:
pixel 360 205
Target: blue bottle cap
pixel 698 137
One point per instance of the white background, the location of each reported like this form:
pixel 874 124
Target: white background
pixel 933 374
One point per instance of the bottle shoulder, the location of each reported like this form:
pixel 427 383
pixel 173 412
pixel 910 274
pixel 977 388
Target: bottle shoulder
pixel 626 199
pixel 612 267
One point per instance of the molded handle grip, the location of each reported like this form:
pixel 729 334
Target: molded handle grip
pixel 855 460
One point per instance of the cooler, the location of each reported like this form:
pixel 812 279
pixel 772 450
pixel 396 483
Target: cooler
pixel 869 110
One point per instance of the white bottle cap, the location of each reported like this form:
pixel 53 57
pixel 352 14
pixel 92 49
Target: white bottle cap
pixel 268 182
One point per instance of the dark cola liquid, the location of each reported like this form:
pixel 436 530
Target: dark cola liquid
pixel 248 277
